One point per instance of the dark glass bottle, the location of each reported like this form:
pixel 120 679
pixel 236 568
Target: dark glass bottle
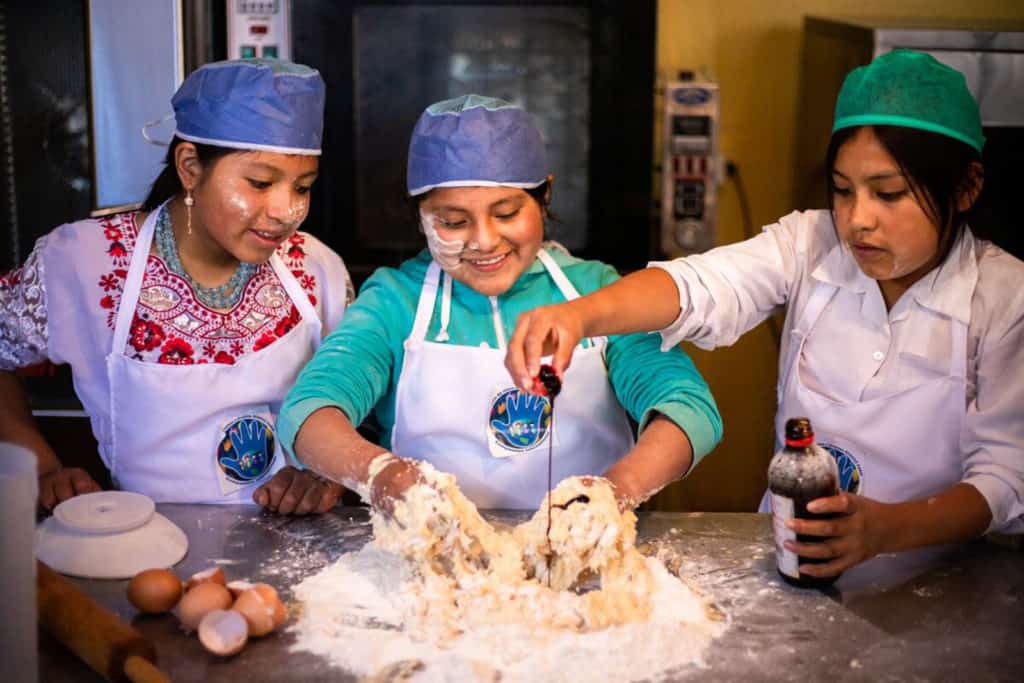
pixel 799 473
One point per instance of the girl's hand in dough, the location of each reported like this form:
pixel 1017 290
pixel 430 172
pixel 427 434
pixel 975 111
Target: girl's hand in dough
pixel 392 481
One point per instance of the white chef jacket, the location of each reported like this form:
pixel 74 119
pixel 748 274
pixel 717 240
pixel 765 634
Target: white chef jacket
pixel 864 351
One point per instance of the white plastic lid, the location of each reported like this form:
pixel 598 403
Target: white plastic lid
pixel 105 512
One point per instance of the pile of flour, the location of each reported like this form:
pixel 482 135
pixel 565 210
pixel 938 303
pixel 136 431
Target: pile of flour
pixel 444 597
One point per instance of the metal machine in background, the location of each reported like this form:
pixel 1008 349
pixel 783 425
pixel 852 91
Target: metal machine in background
pixel 132 74
pixel 989 54
pixel 259 28
pixel 690 166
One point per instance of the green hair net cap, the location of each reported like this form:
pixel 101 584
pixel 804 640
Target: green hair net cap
pixel 911 89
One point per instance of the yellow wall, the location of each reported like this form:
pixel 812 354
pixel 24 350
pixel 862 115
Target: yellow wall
pixel 752 49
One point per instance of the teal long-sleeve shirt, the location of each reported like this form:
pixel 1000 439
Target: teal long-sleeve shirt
pixel 357 367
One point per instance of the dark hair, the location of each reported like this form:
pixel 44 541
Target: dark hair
pixel 168 184
pixel 937 168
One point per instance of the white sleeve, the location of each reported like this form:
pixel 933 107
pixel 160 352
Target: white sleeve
pixel 730 290
pixel 993 437
pixel 23 330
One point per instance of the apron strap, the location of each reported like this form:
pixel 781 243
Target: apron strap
pixel 820 297
pixel 293 288
pixel 958 368
pixel 446 311
pixel 568 290
pixel 299 297
pixel 428 295
pixel 425 307
pixel 133 282
pixel 446 308
pixel 499 329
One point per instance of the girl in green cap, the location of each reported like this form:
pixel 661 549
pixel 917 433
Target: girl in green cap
pixel 903 331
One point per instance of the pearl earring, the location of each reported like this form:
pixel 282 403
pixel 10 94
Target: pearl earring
pixel 189 202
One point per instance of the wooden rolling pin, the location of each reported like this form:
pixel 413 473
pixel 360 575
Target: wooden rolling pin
pixel 94 633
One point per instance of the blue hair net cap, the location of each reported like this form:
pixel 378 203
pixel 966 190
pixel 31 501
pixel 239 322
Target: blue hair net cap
pixel 256 104
pixel 474 140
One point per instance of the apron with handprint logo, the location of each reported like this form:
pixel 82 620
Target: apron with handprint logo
pixel 200 433
pixel 456 408
pixel 892 448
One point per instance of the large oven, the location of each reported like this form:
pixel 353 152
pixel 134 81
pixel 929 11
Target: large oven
pixel 989 54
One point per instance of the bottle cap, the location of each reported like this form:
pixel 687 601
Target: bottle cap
pixel 799 432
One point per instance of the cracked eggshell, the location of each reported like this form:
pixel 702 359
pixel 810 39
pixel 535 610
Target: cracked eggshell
pixel 239 587
pixel 223 632
pixel 211 575
pixel 201 600
pixel 262 609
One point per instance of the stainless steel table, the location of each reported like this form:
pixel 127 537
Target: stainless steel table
pixel 950 614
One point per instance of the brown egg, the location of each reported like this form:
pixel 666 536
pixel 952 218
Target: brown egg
pixel 212 575
pixel 154 591
pixel 201 600
pixel 223 632
pixel 262 609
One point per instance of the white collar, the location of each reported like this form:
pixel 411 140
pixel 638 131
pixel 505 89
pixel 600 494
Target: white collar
pixel 947 289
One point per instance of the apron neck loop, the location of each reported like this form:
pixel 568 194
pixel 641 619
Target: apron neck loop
pixel 446 308
pixel 293 288
pixel 425 306
pixel 133 281
pixel 436 278
pixel 499 328
pixel 959 333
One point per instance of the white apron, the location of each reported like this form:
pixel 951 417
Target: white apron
pixel 200 433
pixel 457 408
pixel 893 448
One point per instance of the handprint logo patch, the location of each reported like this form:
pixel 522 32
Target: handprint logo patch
pixel 518 421
pixel 246 450
pixel 851 474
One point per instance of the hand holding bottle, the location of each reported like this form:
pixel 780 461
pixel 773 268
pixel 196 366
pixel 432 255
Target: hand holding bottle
pixel 856 534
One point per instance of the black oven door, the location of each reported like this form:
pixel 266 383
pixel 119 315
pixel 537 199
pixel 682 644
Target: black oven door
pixel 585 70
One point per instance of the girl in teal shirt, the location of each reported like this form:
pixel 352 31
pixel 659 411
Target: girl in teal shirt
pixel 422 346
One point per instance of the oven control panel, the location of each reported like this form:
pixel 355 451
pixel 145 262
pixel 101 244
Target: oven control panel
pixel 690 167
pixel 259 28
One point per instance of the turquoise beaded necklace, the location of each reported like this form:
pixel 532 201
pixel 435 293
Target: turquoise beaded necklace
pixel 223 297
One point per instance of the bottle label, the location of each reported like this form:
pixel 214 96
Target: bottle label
pixel 782 510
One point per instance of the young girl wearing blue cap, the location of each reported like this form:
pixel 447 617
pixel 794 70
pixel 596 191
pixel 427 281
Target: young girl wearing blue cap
pixel 904 333
pixel 185 323
pixel 422 346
